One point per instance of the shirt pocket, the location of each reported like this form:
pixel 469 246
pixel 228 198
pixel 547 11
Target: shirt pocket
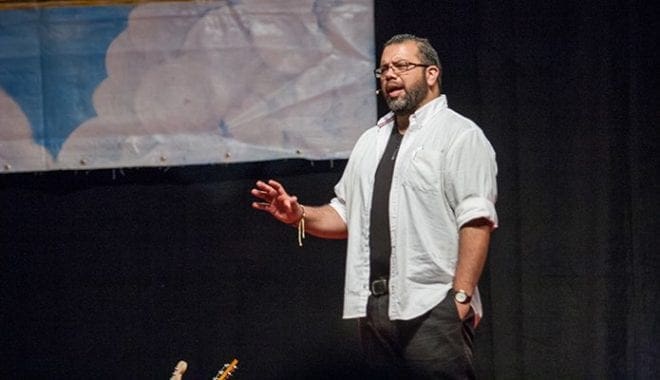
pixel 424 171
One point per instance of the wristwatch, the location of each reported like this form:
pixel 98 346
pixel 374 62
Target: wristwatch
pixel 462 297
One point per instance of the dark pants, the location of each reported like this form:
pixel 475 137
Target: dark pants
pixel 436 345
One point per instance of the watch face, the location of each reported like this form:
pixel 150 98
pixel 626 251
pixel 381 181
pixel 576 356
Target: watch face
pixel 461 297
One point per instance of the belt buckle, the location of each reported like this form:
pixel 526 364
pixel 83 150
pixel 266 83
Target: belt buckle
pixel 379 287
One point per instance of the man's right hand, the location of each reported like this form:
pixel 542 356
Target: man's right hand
pixel 276 201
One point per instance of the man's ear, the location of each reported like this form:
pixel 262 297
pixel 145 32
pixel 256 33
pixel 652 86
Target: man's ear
pixel 432 74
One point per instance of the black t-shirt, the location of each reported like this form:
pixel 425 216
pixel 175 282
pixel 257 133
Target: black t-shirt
pixel 380 242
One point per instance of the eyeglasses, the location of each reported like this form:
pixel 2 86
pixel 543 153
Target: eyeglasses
pixel 397 67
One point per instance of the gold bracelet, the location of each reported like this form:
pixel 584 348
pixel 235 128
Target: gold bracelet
pixel 301 227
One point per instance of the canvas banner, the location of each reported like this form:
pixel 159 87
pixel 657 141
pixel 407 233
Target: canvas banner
pixel 113 84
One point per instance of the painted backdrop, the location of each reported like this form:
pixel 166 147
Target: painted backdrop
pixel 99 84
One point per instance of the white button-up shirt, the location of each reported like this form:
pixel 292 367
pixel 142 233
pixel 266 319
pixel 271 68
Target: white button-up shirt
pixel 444 177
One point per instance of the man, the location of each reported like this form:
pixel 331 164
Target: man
pixel 416 203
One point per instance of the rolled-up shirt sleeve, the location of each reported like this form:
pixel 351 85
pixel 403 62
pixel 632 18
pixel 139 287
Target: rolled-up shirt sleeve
pixel 339 201
pixel 471 178
pixel 340 206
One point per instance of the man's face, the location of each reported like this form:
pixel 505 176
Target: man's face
pixel 404 91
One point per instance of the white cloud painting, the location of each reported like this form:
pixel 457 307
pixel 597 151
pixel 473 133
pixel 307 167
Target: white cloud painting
pixel 202 82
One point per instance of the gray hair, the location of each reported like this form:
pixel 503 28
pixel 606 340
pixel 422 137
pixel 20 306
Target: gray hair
pixel 428 55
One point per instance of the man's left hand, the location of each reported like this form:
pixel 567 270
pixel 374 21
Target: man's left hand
pixel 463 310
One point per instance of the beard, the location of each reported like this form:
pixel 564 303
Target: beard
pixel 408 104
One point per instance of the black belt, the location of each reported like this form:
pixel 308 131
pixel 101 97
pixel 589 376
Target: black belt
pixel 379 287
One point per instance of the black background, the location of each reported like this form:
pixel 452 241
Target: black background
pixel 121 273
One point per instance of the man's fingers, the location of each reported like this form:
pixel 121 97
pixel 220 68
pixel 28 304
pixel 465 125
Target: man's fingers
pixel 276 186
pixel 261 194
pixel 265 191
pixel 274 183
pixel 272 188
pixel 263 186
pixel 261 205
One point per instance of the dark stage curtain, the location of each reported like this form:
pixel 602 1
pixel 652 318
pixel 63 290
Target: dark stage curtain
pixel 121 273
